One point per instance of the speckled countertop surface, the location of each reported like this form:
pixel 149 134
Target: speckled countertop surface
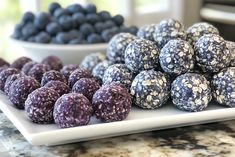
pixel 216 139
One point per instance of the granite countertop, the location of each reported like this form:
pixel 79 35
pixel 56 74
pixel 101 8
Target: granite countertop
pixel 215 139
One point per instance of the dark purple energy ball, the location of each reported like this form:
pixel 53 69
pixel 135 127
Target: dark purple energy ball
pixel 3 63
pixel 72 110
pixel 52 75
pixel 53 62
pixel 10 80
pixel 78 74
pixel 25 69
pixel 37 71
pixel 20 62
pixel 4 74
pixel 111 102
pixel 68 69
pixel 60 87
pixel 40 104
pixel 20 89
pixel 86 86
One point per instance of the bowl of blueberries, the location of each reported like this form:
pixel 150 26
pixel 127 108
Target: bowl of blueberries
pixel 69 33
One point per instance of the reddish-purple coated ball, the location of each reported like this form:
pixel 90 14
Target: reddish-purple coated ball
pixel 25 69
pixel 10 80
pixel 20 89
pixel 111 102
pixel 4 63
pixel 60 87
pixel 72 110
pixel 52 75
pixel 78 74
pixel 86 86
pixel 53 62
pixel 20 62
pixel 68 69
pixel 40 104
pixel 37 71
pixel 4 74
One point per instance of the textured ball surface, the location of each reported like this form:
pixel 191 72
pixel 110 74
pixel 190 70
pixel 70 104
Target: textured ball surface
pixel 37 71
pixel 3 63
pixel 20 62
pixel 231 46
pixel 53 62
pixel 147 32
pixel 99 69
pixel 4 74
pixel 52 75
pixel 60 87
pixel 68 69
pixel 10 80
pixel 78 74
pixel 25 69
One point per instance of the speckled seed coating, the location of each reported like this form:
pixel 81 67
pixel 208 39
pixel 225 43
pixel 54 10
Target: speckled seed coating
pixel 223 87
pixel 99 69
pixel 72 110
pixel 191 92
pixel 87 87
pixel 37 71
pixel 4 74
pixel 20 89
pixel 177 57
pixel 111 102
pixel 60 87
pixel 167 30
pixel 231 46
pixel 118 73
pixel 68 69
pixel 40 104
pixel 78 74
pixel 3 63
pixel 90 61
pixel 212 53
pixel 25 69
pixel 20 62
pixel 10 80
pixel 3 68
pixel 150 89
pixel 147 32
pixel 52 75
pixel 117 46
pixel 53 62
pixel 141 54
pixel 197 30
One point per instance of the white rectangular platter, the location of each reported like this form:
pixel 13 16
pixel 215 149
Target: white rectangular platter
pixel 139 120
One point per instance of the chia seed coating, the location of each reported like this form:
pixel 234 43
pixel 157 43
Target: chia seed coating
pixel 117 46
pixel 177 57
pixel 60 87
pixel 191 92
pixel 4 63
pixel 141 54
pixel 90 61
pixel 87 87
pixel 212 53
pixel 37 71
pixel 20 89
pixel 77 75
pixel 52 75
pixel 118 73
pixel 53 62
pixel 150 89
pixel 111 102
pixel 40 104
pixel 72 110
pixel 231 46
pixel 20 62
pixel 99 69
pixel 4 74
pixel 168 30
pixel 25 69
pixel 68 69
pixel 223 87
pixel 198 30
pixel 10 80
pixel 147 32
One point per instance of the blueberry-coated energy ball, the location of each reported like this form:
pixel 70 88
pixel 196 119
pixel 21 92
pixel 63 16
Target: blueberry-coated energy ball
pixel 4 74
pixel 118 73
pixel 150 89
pixel 37 71
pixel 197 30
pixel 68 69
pixel 231 46
pixel 10 80
pixel 3 63
pixel 40 104
pixel 117 46
pixel 212 53
pixel 20 89
pixel 223 87
pixel 111 102
pixel 99 69
pixel 141 54
pixel 25 69
pixel 191 92
pixel 20 62
pixel 77 75
pixel 167 30
pixel 52 75
pixel 147 32
pixel 87 87
pixel 90 61
pixel 177 57
pixel 53 62
pixel 72 110
pixel 60 87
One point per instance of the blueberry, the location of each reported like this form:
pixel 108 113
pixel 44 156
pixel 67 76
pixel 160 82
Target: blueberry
pixel 66 22
pixel 90 8
pixel 17 34
pixel 124 29
pixel 118 19
pixel 43 37
pixel 31 39
pixel 133 30
pixel 107 35
pixel 87 29
pixel 109 24
pixel 115 29
pixel 99 27
pixel 41 20
pixel 93 18
pixel 53 28
pixel 60 12
pixel 104 15
pixel 63 38
pixel 75 41
pixel 75 8
pixel 54 41
pixel 28 17
pixel 94 38
pixel 79 19
pixel 29 30
pixel 75 34
pixel 53 6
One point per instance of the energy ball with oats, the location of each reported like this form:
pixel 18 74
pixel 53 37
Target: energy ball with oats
pixel 150 89
pixel 223 87
pixel 60 87
pixel 99 69
pixel 53 62
pixel 10 80
pixel 68 69
pixel 177 57
pixel 77 75
pixel 52 75
pixel 141 54
pixel 20 62
pixel 4 74
pixel 212 53
pixel 37 71
pixel 146 32
pixel 191 92
pixel 25 69
pixel 231 46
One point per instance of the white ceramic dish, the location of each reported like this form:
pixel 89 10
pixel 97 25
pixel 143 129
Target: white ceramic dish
pixel 138 121
pixel 67 53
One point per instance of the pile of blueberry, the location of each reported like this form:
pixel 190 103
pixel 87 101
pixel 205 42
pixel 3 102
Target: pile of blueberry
pixel 75 24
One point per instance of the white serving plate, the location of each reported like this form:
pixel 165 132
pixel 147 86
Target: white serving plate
pixel 67 53
pixel 139 120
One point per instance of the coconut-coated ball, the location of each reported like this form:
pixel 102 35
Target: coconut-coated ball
pixel 53 62
pixel 37 71
pixel 25 69
pixel 52 75
pixel 68 69
pixel 231 46
pixel 78 74
pixel 4 74
pixel 20 62
pixel 99 69
pixel 10 80
pixel 147 32
pixel 60 87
